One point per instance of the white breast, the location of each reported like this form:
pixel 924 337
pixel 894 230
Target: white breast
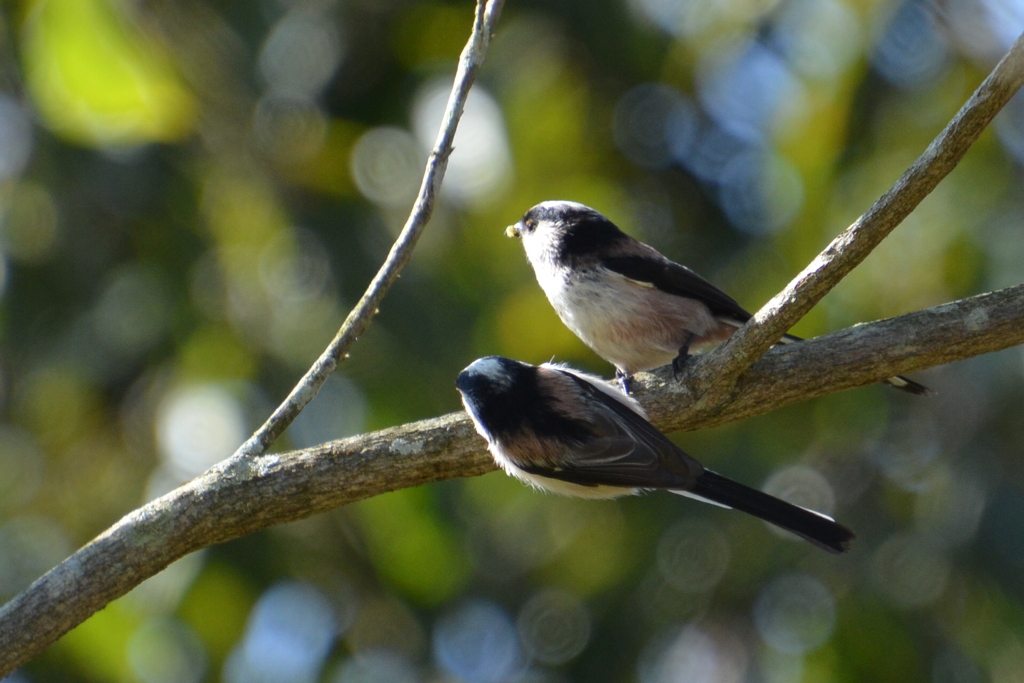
pixel 631 324
pixel 562 488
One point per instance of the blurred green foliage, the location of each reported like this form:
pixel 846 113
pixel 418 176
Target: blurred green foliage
pixel 193 193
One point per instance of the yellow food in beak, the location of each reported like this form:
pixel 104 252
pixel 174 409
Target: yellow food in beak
pixel 512 231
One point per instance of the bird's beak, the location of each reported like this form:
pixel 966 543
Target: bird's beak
pixel 513 231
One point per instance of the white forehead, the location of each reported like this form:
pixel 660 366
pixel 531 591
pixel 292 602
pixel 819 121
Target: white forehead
pixel 562 206
pixel 492 369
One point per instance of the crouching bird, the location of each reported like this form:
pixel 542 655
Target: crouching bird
pixel 575 434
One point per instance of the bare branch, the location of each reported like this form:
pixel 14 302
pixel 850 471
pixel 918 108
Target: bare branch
pixel 241 496
pixel 716 373
pixel 358 320
pixel 857 356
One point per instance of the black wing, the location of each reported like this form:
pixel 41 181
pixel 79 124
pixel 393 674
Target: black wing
pixel 670 277
pixel 625 450
pixel 629 451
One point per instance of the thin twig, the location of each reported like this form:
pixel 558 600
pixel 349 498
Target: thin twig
pixel 227 502
pixel 714 375
pixel 358 320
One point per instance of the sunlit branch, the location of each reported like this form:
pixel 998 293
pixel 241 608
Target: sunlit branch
pixel 854 357
pixel 715 373
pixel 358 320
pixel 230 500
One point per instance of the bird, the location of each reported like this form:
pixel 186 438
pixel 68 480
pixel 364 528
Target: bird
pixel 575 434
pixel 633 306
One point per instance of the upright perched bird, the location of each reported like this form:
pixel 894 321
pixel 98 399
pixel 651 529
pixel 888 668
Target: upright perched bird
pixel 635 308
pixel 575 434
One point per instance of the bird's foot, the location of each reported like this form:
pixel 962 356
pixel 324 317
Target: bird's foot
pixel 679 363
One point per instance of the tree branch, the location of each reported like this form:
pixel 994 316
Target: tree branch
pixel 231 500
pixel 358 320
pixel 715 374
pixel 857 356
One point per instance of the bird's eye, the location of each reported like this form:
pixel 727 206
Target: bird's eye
pixel 530 224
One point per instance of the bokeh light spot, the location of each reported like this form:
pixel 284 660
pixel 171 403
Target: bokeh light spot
pixel 693 556
pixel 387 165
pixel 746 91
pixel 21 461
pixel 376 666
pixel 132 312
pixel 338 410
pixel 913 50
pixel 197 426
pixel 694 656
pixel 477 643
pixel 481 163
pixel 820 39
pixel 761 192
pixel 795 614
pixel 289 130
pixel 295 266
pixel 164 650
pixel 654 124
pixel 15 137
pixel 302 51
pixel 910 570
pixel 30 545
pixel 951 506
pixel 288 637
pixel 554 627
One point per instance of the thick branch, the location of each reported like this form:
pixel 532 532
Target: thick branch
pixel 854 357
pixel 238 497
pixel 717 372
pixel 359 318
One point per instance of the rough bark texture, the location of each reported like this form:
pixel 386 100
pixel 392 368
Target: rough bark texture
pixel 859 355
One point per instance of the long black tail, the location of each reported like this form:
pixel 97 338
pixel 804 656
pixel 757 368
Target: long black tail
pixel 898 382
pixel 816 528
